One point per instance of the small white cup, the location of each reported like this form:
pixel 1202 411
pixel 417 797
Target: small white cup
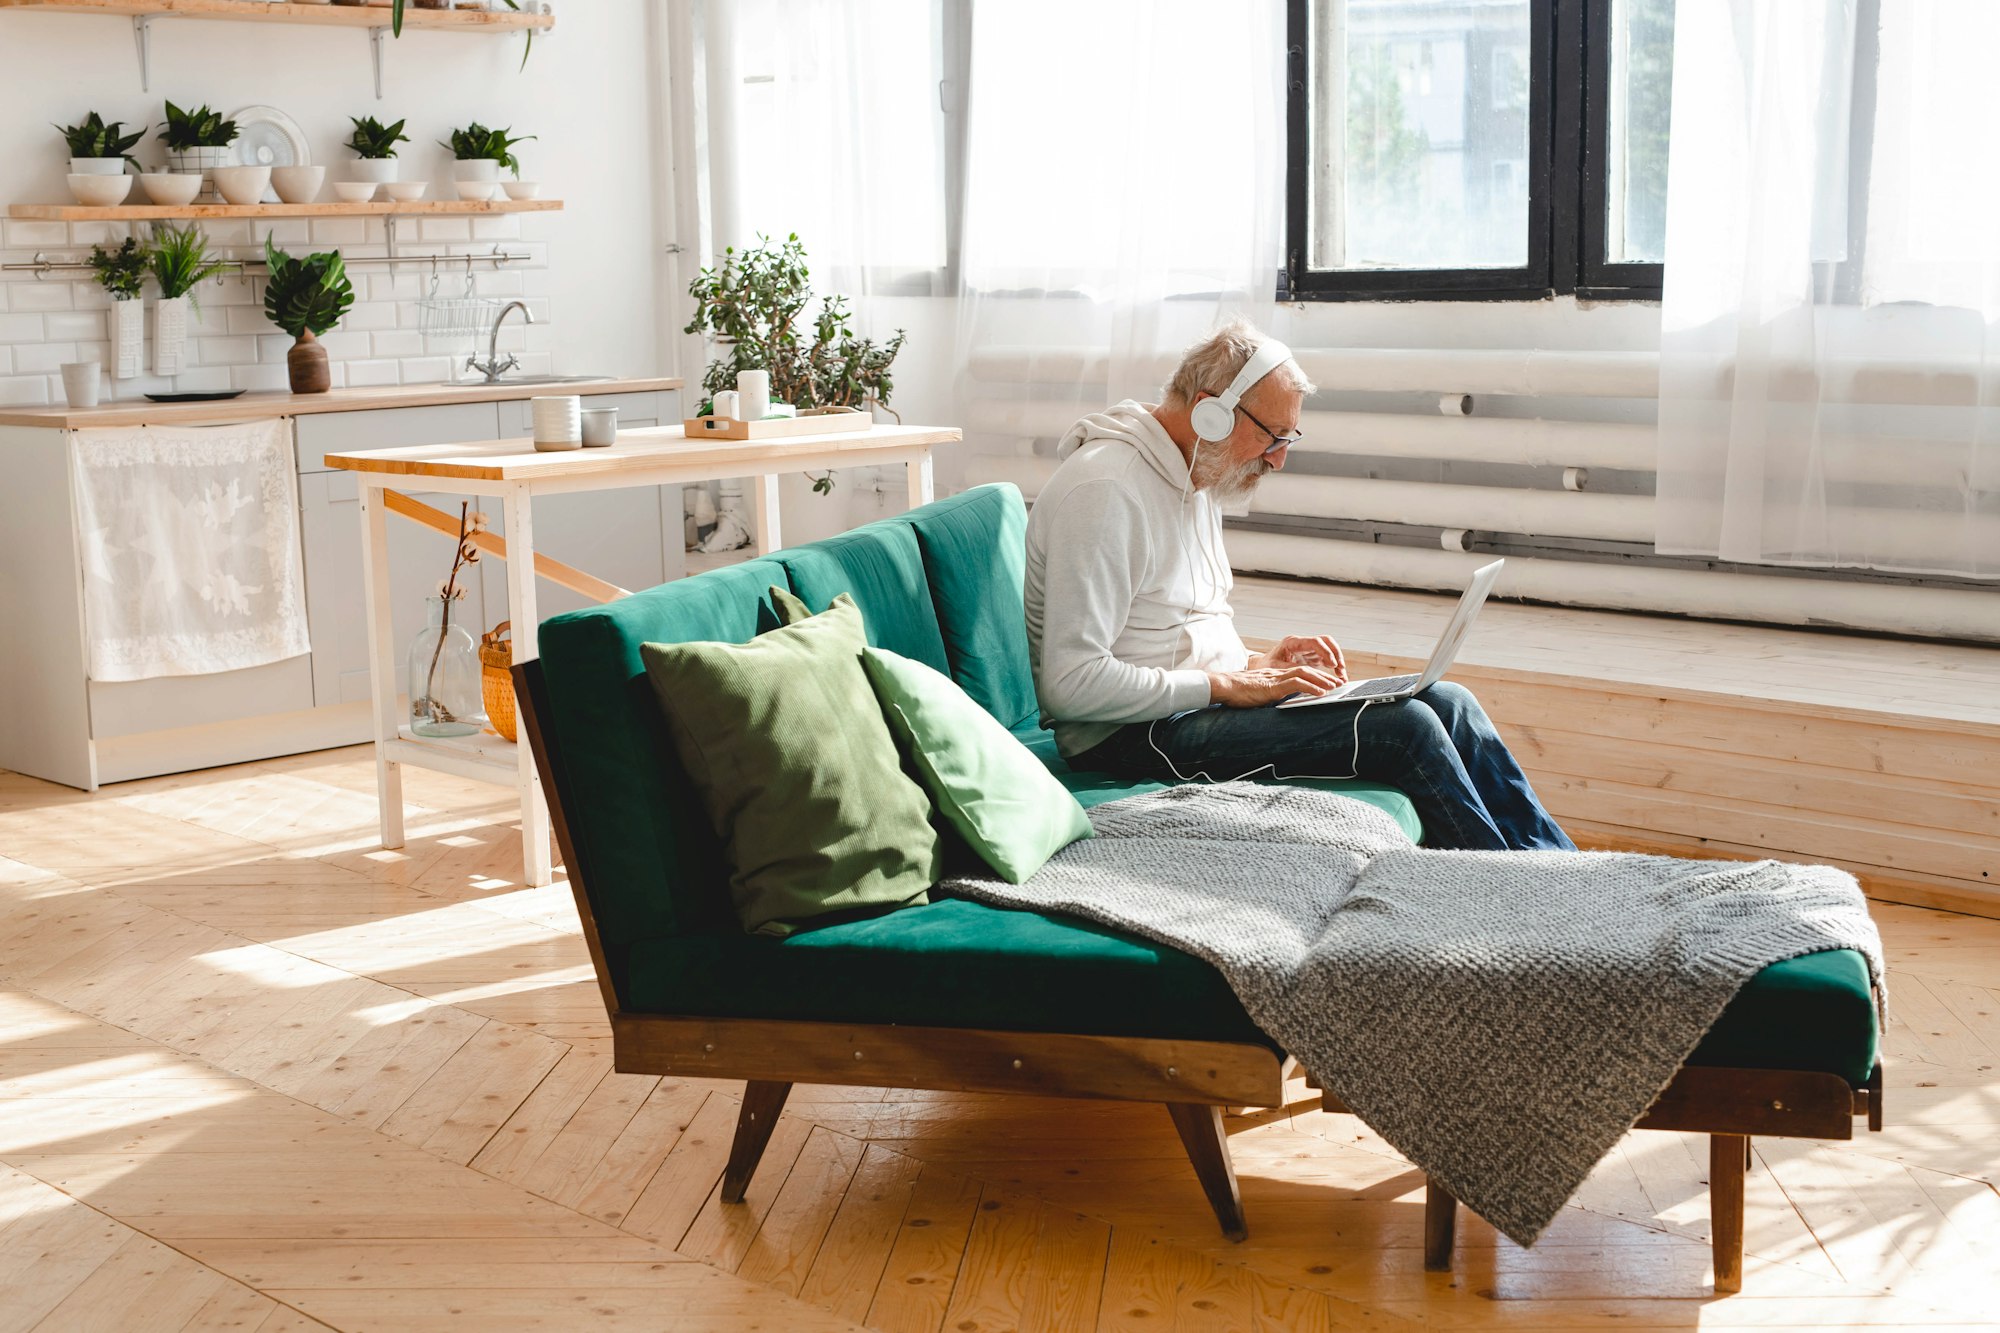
pixel 82 381
pixel 753 394
pixel 600 427
pixel 558 422
pixel 725 403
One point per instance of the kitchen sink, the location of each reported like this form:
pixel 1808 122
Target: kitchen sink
pixel 537 379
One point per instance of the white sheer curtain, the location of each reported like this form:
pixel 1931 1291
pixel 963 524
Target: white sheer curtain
pixel 1830 337
pixel 1124 190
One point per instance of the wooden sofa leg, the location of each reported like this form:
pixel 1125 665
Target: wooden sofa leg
pixel 1208 1149
pixel 1440 1226
pixel 1726 1154
pixel 761 1104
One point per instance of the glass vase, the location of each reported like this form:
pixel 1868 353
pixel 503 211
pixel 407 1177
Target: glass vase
pixel 445 695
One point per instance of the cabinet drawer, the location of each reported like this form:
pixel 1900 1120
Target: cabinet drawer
pixel 348 432
pixel 131 707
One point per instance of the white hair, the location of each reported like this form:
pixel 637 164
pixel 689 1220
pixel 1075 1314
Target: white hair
pixel 1209 365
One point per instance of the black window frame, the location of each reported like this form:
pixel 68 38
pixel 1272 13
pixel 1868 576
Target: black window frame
pixel 1568 154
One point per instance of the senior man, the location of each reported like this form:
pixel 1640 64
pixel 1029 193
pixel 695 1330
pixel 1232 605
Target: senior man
pixel 1138 665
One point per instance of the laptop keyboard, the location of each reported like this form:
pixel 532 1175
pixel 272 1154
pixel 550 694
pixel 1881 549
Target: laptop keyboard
pixel 1370 689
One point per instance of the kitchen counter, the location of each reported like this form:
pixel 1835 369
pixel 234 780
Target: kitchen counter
pixel 259 406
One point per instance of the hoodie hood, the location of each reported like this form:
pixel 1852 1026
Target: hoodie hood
pixel 1130 423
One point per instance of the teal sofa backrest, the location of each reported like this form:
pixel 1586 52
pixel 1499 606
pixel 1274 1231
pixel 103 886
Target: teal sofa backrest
pixel 940 584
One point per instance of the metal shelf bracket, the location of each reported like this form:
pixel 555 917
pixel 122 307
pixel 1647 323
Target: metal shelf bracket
pixel 142 37
pixel 375 38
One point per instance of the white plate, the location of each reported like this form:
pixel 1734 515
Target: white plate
pixel 267 137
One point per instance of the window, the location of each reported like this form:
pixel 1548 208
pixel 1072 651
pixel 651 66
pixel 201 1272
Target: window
pixel 1477 148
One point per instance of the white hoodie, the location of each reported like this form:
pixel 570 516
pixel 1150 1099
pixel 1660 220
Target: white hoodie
pixel 1127 587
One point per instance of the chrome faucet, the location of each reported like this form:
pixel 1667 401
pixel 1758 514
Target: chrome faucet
pixel 494 367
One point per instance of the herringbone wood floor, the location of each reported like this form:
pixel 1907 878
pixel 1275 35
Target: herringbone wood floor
pixel 257 1073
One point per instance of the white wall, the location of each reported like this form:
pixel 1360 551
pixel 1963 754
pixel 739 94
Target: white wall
pixel 588 92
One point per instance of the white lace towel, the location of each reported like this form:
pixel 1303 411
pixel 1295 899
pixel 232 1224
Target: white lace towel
pixel 190 544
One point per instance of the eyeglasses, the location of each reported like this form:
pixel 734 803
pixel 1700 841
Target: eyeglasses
pixel 1277 441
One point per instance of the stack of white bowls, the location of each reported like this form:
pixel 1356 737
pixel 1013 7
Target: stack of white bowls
pixel 558 422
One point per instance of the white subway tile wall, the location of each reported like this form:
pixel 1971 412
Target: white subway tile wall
pixel 64 316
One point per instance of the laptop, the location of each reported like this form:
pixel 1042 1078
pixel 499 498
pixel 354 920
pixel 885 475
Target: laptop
pixel 1381 689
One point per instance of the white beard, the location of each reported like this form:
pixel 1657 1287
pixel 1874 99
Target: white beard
pixel 1226 484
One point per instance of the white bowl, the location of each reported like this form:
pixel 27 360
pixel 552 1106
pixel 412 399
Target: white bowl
pixel 404 192
pixel 171 189
pixel 354 192
pixel 298 185
pixel 478 189
pixel 521 189
pixel 99 191
pixel 97 166
pixel 241 185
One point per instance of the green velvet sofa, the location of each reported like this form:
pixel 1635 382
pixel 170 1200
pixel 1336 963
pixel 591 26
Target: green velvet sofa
pixel 957 995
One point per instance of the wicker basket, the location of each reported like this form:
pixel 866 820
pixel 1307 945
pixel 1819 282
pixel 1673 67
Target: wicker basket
pixel 496 681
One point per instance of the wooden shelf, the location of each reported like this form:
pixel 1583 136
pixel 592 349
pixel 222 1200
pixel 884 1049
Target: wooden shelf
pixel 329 15
pixel 218 212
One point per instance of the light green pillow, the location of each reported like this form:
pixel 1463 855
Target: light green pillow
pixel 988 785
pixel 800 777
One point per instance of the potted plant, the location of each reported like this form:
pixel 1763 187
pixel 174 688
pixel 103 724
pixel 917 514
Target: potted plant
pixel 122 272
pixel 481 152
pixel 754 306
pixel 305 298
pixel 98 149
pixel 199 141
pixel 374 146
pixel 179 260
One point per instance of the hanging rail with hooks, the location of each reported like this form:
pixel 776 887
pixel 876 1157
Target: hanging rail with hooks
pixel 41 266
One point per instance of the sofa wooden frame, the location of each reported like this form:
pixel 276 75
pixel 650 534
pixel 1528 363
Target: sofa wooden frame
pixel 1195 1080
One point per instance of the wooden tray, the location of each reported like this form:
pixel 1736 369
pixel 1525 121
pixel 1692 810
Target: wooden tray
pixel 772 428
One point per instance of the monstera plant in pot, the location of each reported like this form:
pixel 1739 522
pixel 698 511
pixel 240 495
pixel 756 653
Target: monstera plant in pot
pixel 305 298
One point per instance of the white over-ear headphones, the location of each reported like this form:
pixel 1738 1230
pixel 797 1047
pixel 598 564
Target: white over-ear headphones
pixel 1214 418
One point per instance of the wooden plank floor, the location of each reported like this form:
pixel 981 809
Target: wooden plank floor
pixel 257 1073
pixel 1652 733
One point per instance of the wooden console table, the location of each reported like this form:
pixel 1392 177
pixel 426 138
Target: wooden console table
pixel 661 456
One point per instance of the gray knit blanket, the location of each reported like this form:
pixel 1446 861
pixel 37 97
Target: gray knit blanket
pixel 1500 1018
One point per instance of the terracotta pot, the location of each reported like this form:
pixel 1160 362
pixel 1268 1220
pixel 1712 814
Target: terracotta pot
pixel 306 363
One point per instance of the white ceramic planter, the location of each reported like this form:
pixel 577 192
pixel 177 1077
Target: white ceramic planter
pixel 377 169
pixel 203 161
pixel 97 166
pixel 170 330
pixel 480 169
pixel 128 338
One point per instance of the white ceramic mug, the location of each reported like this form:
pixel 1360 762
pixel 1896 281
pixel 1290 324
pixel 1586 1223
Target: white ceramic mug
pixel 82 381
pixel 558 421
pixel 725 404
pixel 600 427
pixel 753 394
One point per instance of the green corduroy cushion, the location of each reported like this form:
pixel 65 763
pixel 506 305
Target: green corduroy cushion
pixel 975 557
pixel 1811 1012
pixel 987 785
pixel 788 751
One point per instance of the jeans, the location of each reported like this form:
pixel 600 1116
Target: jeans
pixel 1439 749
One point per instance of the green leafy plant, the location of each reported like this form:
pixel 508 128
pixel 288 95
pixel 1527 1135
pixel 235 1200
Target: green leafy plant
pixel 373 139
pixel 754 305
pixel 94 138
pixel 476 143
pixel 528 49
pixel 306 295
pixel 180 260
pixel 122 271
pixel 197 129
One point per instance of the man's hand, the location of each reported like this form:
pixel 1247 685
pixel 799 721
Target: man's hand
pixel 1308 651
pixel 1260 685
